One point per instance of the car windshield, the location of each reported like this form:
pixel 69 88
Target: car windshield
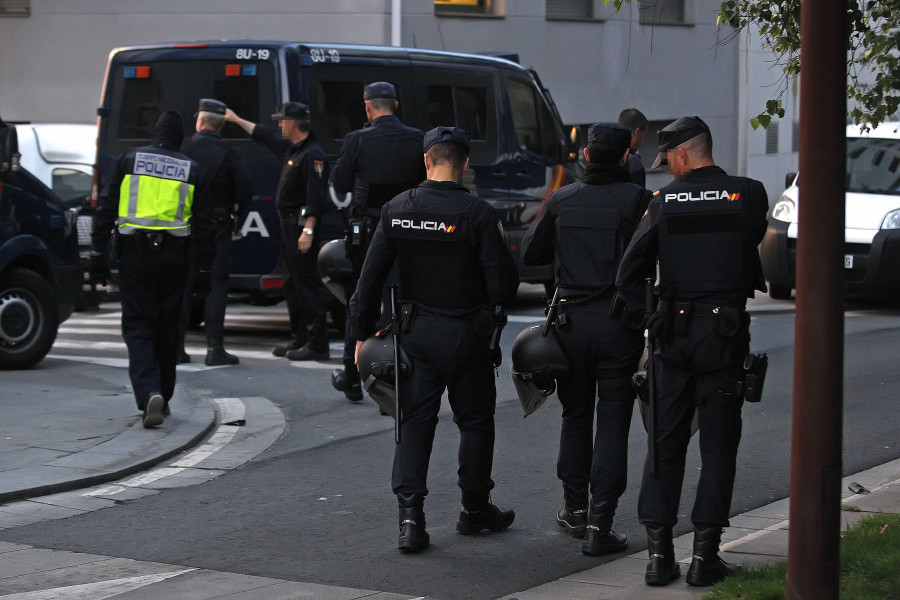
pixel 873 165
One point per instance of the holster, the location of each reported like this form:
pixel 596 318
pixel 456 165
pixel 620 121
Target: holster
pixel 755 367
pixel 407 317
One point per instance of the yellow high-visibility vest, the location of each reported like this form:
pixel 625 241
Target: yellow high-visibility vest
pixel 156 195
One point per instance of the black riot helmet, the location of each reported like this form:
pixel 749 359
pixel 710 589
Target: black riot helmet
pixel 376 370
pixel 336 269
pixel 538 361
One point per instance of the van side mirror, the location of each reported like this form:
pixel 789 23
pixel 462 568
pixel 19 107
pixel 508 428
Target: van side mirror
pixel 9 148
pixel 574 141
pixel 789 179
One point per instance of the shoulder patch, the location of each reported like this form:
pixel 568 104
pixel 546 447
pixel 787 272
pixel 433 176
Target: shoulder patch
pixel 656 193
pixel 500 227
pixel 319 166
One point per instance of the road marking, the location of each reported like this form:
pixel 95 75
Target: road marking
pixel 122 363
pixel 230 410
pixel 526 318
pixel 99 590
pixel 312 364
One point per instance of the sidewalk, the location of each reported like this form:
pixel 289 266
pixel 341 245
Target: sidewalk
pixel 53 440
pixel 758 536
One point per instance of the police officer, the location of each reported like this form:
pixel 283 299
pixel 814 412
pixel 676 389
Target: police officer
pixel 376 163
pixel 635 120
pixel 229 188
pixel 301 200
pixel 585 227
pixel 704 229
pixel 453 266
pixel 156 203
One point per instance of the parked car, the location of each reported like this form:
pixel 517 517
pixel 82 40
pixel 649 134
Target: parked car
pixel 872 230
pixel 40 275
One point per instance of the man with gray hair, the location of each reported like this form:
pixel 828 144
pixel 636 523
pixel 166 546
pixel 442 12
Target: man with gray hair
pixel 635 120
pixel 230 190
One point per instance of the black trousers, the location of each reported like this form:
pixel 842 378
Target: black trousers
pixel 306 296
pixel 151 288
pixel 447 353
pixel 604 354
pixel 217 299
pixel 349 356
pixel 691 370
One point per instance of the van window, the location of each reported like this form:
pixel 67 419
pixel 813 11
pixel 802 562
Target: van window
pixel 469 106
pixel 873 166
pixel 340 111
pixel 532 120
pixel 70 185
pixel 136 102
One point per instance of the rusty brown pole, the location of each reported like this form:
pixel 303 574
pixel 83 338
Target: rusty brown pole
pixel 814 537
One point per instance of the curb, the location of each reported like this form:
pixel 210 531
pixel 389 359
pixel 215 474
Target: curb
pixel 131 451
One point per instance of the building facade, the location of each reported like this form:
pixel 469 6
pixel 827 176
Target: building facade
pixel 665 57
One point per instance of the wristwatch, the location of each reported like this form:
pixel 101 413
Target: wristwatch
pixel 308 230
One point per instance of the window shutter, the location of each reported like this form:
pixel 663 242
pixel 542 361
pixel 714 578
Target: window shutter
pixel 569 9
pixel 15 8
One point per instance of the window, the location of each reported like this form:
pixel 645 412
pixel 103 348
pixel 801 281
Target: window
pixel 339 109
pixel 570 9
pixel 772 138
pixel 15 8
pixel 661 12
pixel 466 106
pixel 795 136
pixel 72 186
pixel 469 8
pixel 532 120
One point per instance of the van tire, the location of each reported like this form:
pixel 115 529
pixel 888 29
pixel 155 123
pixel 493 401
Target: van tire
pixel 29 319
pixel 780 292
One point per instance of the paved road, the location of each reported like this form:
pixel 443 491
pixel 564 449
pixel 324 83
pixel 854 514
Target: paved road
pixel 317 506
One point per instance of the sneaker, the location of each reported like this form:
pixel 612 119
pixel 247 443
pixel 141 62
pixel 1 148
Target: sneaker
pixel 490 517
pixel 153 411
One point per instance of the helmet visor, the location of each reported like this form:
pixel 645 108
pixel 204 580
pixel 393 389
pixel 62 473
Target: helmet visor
pixel 530 395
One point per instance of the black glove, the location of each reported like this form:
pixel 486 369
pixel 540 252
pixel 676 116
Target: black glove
pixel 203 283
pixel 99 267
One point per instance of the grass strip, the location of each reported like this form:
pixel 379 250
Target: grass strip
pixel 870 567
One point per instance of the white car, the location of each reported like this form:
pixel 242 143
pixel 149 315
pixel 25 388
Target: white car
pixel 872 229
pixel 61 156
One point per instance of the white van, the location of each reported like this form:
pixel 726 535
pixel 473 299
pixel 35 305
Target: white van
pixel 61 156
pixel 872 229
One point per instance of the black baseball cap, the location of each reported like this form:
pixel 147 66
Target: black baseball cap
pixel 611 135
pixel 293 110
pixel 439 135
pixel 676 133
pixel 380 89
pixel 210 105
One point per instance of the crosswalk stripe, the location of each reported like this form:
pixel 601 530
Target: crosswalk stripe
pixel 99 590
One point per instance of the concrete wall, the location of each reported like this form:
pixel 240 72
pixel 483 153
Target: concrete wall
pixel 52 63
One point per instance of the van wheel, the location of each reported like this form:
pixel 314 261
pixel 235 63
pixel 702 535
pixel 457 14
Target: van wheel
pixel 780 292
pixel 28 319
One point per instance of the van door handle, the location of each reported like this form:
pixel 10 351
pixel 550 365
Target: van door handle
pixel 523 174
pixel 498 173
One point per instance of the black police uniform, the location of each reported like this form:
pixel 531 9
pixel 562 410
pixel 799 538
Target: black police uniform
pixel 704 228
pixel 636 171
pixel 586 226
pixel 230 191
pixel 376 163
pixel 153 267
pixel 453 265
pixel 302 192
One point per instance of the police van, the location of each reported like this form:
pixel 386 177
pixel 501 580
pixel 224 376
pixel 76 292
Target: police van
pixel 872 221
pixel 520 154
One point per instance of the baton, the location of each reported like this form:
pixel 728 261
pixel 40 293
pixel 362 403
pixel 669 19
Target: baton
pixel 551 313
pixel 395 330
pixel 651 383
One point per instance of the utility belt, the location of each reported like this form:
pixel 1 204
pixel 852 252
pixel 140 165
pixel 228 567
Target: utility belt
pixel 487 323
pixel 677 314
pixel 146 241
pixel 597 302
pixel 290 214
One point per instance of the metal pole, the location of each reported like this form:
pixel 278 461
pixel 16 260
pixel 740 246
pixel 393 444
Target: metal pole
pixel 396 15
pixel 814 537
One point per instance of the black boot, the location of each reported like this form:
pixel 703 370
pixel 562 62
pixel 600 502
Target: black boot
pixel 573 516
pixel 706 566
pixel 347 381
pixel 662 568
pixel 183 357
pixel 294 344
pixel 413 537
pixel 485 516
pixel 216 355
pixel 599 538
